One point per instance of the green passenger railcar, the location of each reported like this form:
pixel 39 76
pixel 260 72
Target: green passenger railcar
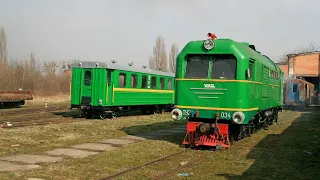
pixel 226 90
pixel 103 89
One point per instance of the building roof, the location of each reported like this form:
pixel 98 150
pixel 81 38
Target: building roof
pixel 282 63
pixel 114 65
pixel 303 54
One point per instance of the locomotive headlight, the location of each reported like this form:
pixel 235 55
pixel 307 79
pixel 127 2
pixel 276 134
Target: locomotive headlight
pixel 100 102
pixel 176 114
pixel 238 117
pixel 208 44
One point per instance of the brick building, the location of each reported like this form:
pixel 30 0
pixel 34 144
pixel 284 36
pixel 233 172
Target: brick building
pixel 305 65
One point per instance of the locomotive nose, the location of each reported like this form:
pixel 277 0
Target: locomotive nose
pixel 176 114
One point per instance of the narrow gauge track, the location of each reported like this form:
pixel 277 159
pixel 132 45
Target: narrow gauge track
pixel 170 172
pixel 32 110
pixel 170 156
pixel 15 124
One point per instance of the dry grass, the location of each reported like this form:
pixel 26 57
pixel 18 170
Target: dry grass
pixel 40 138
pixel 282 152
pixel 62 97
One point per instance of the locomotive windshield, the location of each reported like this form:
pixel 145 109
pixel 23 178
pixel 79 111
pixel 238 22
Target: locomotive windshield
pixel 219 66
pixel 197 66
pixel 223 67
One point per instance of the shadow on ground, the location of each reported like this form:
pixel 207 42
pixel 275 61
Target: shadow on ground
pixel 74 114
pixel 293 154
pixel 170 131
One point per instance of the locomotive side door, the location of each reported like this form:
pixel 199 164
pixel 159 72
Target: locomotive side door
pixel 86 87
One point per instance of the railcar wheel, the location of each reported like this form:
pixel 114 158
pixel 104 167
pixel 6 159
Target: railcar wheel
pixel 162 110
pixel 89 114
pixel 80 112
pixel 113 115
pixel 102 115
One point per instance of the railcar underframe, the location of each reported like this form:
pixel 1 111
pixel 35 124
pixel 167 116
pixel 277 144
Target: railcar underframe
pixel 113 111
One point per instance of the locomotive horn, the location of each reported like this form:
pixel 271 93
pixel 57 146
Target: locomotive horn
pixel 212 36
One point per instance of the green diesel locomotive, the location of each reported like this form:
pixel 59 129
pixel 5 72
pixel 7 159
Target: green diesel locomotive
pixel 226 90
pixel 102 89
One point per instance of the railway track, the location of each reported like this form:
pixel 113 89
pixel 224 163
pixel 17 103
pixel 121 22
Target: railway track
pixel 34 117
pixel 162 159
pixel 15 124
pixel 33 110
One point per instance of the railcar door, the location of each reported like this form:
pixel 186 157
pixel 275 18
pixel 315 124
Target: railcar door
pixel 86 87
pixel 76 86
pixel 109 87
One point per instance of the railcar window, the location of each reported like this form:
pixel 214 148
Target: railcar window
pixel 161 83
pixel 87 78
pixel 134 80
pixel 153 82
pixel 144 81
pixel 122 80
pixel 224 67
pixel 108 76
pixel 169 83
pixel 197 66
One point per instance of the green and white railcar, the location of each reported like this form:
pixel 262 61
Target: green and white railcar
pixel 105 88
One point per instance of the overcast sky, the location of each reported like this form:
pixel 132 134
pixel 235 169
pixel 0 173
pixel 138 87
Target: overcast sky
pixel 125 30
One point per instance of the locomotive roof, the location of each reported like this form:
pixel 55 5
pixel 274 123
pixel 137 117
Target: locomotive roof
pixel 243 48
pixel 92 64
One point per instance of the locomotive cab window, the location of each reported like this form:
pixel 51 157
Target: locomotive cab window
pixel 223 67
pixel 197 66
pixel 134 80
pixel 87 78
pixel 108 77
pixel 250 72
pixel 122 80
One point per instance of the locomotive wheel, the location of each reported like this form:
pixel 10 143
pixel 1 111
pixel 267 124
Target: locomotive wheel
pixel 89 114
pixel 232 139
pixel 276 117
pixel 218 147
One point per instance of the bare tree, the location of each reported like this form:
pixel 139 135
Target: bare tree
pixel 159 59
pixel 152 63
pixel 308 48
pixel 172 57
pixel 3 46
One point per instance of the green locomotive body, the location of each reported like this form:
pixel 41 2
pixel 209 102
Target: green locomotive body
pixel 101 88
pixel 227 82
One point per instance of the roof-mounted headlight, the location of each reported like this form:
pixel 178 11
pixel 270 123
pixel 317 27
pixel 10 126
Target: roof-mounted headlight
pixel 208 44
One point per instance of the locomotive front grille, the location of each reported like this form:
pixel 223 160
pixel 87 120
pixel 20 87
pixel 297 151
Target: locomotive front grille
pixel 202 94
